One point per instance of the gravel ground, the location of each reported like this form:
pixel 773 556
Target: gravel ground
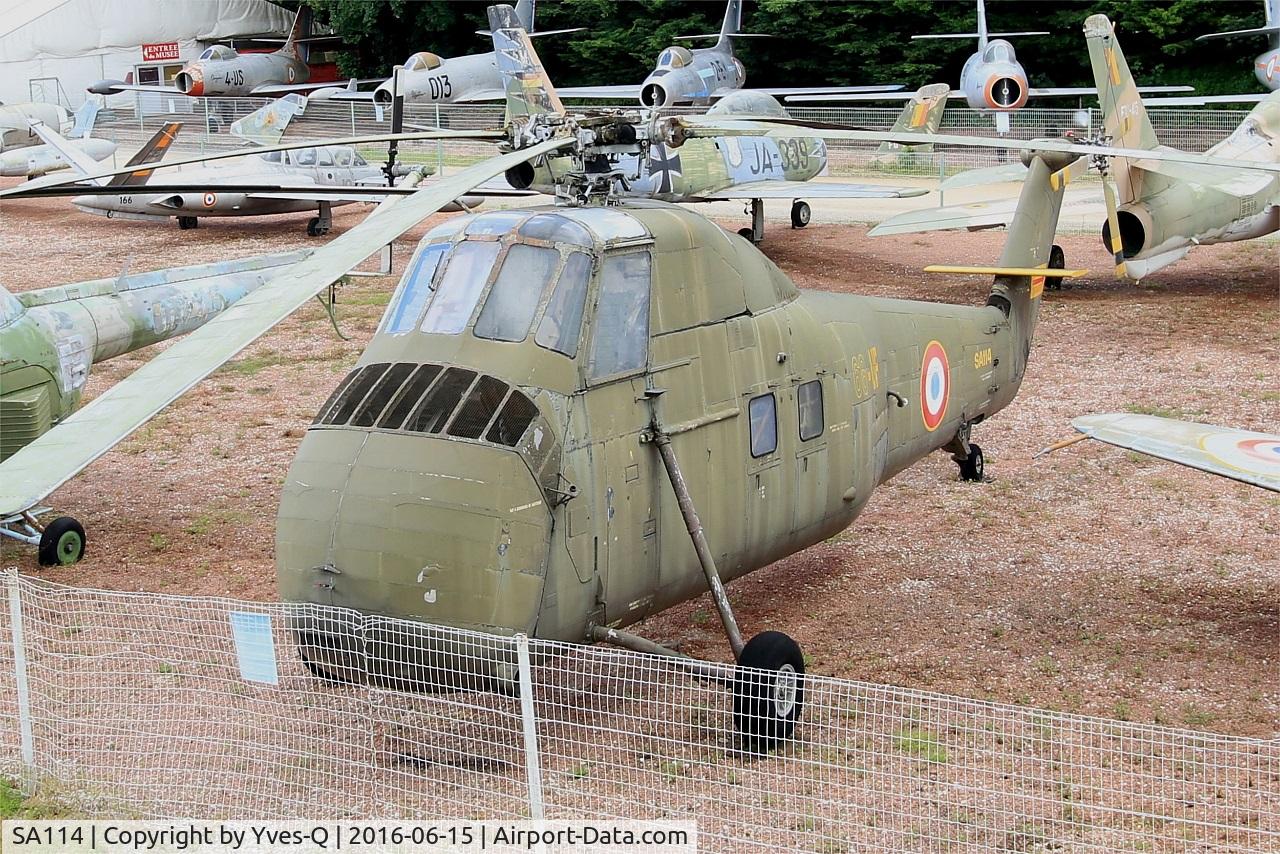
pixel 1092 581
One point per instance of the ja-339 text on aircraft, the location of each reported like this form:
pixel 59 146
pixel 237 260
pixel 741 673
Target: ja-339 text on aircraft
pixel 51 337
pixel 993 81
pixel 222 72
pixel 702 170
pixel 32 157
pixel 704 75
pixel 1158 211
pixel 573 416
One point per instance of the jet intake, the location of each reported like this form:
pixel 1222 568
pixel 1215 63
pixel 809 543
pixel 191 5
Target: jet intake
pixel 381 95
pixel 189 83
pixel 654 95
pixel 1006 93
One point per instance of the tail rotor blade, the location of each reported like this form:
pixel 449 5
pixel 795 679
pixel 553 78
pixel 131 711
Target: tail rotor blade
pixel 1113 225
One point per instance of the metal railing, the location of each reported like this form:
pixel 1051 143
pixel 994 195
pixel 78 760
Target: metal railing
pixel 162 706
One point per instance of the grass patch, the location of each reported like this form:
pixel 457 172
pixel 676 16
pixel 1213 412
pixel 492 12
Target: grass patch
pixel 252 365
pixel 920 742
pixel 13 804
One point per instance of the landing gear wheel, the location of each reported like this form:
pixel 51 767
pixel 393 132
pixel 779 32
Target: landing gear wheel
pixel 745 232
pixel 187 223
pixel 1057 261
pixel 971 466
pixel 315 229
pixel 800 214
pixel 62 542
pixel 766 705
pixel 321 673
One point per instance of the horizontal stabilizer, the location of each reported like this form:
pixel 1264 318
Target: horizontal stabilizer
pixel 489 33
pixel 1256 31
pixel 813 190
pixel 1048 272
pixel 726 35
pixel 974 217
pixel 1201 100
pixel 976 35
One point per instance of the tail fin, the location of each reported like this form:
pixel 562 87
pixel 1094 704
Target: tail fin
pixel 732 25
pixel 151 152
pixel 301 25
pixel 982 25
pixel 525 13
pixel 1123 115
pixel 266 125
pixel 85 118
pixel 80 162
pixel 529 90
pixel 922 114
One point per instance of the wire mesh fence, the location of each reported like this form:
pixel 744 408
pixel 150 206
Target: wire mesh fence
pixel 207 124
pixel 145 705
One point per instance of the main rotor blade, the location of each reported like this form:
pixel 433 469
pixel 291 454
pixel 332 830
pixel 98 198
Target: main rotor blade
pixel 686 127
pixel 160 189
pixel 56 456
pixel 492 135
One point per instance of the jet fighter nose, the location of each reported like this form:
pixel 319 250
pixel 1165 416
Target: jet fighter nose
pixel 418 493
pixel 382 95
pixel 653 95
pixel 190 81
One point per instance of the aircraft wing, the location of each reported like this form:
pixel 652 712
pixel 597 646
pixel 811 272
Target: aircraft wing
pixel 783 91
pixel 1087 91
pixel 287 88
pixel 115 88
pixel 481 95
pixel 1241 455
pixel 59 454
pixel 972 217
pixel 1201 100
pixel 813 190
pixel 891 95
pixel 627 92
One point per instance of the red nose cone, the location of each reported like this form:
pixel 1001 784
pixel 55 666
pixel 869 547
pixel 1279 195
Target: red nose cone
pixel 190 81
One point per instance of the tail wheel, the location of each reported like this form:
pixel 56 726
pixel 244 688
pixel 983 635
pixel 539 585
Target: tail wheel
pixel 768 690
pixel 61 542
pixel 800 214
pixel 971 466
pixel 1057 261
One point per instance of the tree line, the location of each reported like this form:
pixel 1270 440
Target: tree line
pixel 817 43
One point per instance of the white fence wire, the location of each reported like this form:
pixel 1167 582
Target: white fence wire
pixel 146 705
pixel 207 122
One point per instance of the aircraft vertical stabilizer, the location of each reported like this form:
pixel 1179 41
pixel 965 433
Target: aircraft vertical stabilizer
pixel 85 118
pixel 1123 114
pixel 922 114
pixel 529 90
pixel 732 25
pixel 292 47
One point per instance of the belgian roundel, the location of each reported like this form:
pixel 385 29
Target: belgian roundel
pixel 935 385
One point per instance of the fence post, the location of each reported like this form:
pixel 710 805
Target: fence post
pixel 439 147
pixel 532 768
pixel 20 675
pixel 942 174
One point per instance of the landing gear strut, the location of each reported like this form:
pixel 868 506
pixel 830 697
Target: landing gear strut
pixel 800 214
pixel 1057 261
pixel 967 455
pixel 756 232
pixel 319 225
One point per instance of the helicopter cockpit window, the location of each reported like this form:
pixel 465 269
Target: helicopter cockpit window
pixel 675 57
pixel 561 323
pixel 403 314
pixel 557 228
pixel 464 278
pixel 357 160
pixel 305 157
pixel 324 157
pixel 764 425
pixel 342 156
pixel 422 61
pixel 10 308
pixel 513 299
pixel 495 222
pixel 273 157
pixel 620 341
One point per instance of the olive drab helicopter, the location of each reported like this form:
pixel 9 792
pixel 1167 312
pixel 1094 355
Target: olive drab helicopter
pixel 573 416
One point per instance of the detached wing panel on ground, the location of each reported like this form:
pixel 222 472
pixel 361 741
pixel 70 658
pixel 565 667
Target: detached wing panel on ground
pixel 1241 455
pixel 813 190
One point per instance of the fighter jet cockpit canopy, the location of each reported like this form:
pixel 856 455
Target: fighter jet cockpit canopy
pixel 675 57
pixel 998 51
pixel 748 102
pixel 218 53
pixel 422 61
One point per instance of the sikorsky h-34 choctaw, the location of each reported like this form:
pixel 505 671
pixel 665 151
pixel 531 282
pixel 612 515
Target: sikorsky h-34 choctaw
pixel 571 417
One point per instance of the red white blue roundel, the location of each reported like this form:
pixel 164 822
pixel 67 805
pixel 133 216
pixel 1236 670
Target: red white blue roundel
pixel 935 385
pixel 210 199
pixel 1250 453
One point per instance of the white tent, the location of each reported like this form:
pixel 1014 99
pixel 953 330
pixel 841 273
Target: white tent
pixel 52 50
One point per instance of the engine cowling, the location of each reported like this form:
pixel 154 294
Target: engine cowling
pixel 1006 92
pixel 1135 230
pixel 654 95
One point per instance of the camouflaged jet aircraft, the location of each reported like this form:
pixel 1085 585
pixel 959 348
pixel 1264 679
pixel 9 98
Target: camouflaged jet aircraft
pixel 704 75
pixel 510 453
pixel 51 337
pixel 24 155
pixel 1158 211
pixel 993 81
pixel 733 167
pixel 1243 455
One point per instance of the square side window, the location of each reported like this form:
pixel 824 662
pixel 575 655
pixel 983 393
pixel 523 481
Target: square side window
pixel 763 413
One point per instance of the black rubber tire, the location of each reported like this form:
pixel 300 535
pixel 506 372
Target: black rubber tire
pixel 800 214
pixel 745 232
pixel 187 223
pixel 313 227
pixel 62 542
pixel 1057 261
pixel 766 706
pixel 971 468
pixel 321 673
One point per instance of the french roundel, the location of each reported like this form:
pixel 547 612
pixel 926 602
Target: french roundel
pixel 210 200
pixel 1260 454
pixel 935 385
